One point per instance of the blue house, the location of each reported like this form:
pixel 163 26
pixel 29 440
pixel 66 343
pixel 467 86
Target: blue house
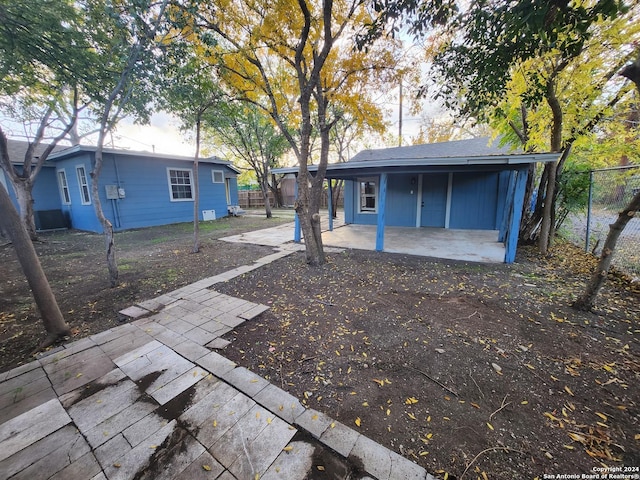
pixel 466 184
pixel 137 189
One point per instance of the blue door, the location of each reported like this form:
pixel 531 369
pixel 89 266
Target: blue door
pixel 434 199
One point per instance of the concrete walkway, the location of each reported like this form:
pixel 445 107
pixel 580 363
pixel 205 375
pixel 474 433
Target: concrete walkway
pixel 153 399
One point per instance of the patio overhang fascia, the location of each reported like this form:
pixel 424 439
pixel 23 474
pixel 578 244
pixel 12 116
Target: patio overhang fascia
pixel 421 165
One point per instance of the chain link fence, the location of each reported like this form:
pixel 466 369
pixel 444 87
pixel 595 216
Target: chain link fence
pixel 610 190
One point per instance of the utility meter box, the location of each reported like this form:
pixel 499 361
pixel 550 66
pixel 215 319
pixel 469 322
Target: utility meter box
pixel 112 192
pixel 208 215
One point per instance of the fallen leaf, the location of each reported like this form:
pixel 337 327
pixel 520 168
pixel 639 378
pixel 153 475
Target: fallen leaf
pixel 602 416
pixel 411 416
pixel 206 467
pixel 320 467
pixel 490 426
pixel 497 368
pixel 117 465
pixel 475 405
pixel 379 382
pixel 358 421
pixel 411 400
pixel 568 390
pixel 524 402
pixel 577 437
pixel 287 448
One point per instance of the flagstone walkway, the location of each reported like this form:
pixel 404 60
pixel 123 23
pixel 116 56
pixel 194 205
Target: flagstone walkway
pixel 153 399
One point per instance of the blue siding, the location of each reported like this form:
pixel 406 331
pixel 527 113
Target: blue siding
pixel 402 193
pixel 147 196
pixel 474 201
pixel 45 190
pixel 434 199
pixel 82 217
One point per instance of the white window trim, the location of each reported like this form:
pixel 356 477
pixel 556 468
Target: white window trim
pixel 213 176
pixel 169 169
pixel 62 188
pixel 376 182
pixel 83 200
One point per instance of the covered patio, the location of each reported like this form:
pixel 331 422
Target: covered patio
pixel 467 245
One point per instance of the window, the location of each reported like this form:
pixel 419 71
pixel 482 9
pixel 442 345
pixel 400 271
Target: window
pixel 218 176
pixel 368 195
pixel 85 198
pixel 64 187
pixel 180 186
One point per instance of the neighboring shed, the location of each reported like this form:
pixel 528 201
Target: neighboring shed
pixel 141 189
pixel 466 184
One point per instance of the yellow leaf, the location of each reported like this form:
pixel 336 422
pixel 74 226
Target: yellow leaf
pixel 475 405
pixel 379 382
pixel 256 476
pixel 117 465
pixel 388 412
pixel 288 448
pixel 215 423
pixel 447 398
pixel 429 418
pixel 358 421
pixel 577 437
pixel 365 404
pixel 529 366
pixel 423 453
pixel 602 416
pixel 257 415
pixel 411 416
pixel 490 426
pixel 568 447
pixel 314 417
pixel 524 402
pixel 269 420
pixel 568 390
pixel 411 400
pixel 320 467
pixel 636 436
pixel 333 425
pixel 484 476
pixel 429 435
pixel 206 467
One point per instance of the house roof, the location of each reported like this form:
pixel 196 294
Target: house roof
pixel 67 152
pixel 477 152
pixel 18 148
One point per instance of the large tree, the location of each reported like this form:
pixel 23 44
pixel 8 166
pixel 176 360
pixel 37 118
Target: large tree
pixel 10 223
pixel 588 298
pixel 40 85
pixel 249 135
pixel 294 60
pixel 129 37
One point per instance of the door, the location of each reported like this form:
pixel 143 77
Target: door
pixel 434 199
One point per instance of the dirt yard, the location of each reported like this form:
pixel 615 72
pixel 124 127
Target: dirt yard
pixel 471 370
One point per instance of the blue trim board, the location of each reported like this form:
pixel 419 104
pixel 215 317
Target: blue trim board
pixel 382 198
pixel 511 244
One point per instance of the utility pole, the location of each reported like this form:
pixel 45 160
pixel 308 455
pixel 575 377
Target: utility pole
pixel 400 116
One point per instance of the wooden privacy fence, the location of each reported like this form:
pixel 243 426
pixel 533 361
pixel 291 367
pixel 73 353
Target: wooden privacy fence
pixel 249 199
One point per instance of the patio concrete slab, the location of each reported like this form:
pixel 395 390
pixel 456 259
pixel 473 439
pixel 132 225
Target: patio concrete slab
pixel 467 245
pixel 145 401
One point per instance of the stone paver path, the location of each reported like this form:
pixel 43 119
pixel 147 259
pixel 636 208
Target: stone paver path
pixel 153 399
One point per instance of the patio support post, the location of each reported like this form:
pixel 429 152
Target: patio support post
pixel 516 215
pixel 297 233
pixel 382 204
pixel 330 203
pixel 508 207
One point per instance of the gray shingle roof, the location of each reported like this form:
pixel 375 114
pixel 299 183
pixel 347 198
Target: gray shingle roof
pixel 18 148
pixel 475 147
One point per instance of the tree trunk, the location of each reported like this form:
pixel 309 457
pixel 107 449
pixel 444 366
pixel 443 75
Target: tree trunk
pixel 588 299
pixel 107 227
pixel 51 315
pixel 196 192
pixel 546 227
pixel 23 190
pixel 264 188
pixel 309 216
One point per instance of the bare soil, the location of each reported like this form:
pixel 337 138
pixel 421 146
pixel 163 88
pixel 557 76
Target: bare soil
pixel 471 370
